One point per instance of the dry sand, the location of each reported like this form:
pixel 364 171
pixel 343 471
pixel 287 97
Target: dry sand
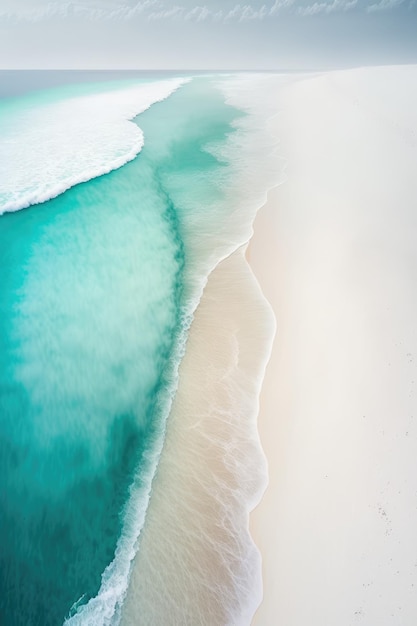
pixel 335 251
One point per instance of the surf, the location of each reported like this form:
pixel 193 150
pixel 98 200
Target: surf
pixel 49 143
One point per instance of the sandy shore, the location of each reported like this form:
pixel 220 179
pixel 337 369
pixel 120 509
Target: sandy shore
pixel 335 252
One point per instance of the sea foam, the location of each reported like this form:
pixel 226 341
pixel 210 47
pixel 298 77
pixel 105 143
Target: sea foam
pixel 48 147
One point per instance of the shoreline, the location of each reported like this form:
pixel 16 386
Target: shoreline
pixel 259 254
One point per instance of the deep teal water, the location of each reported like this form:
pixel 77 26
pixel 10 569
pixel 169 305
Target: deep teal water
pixel 93 289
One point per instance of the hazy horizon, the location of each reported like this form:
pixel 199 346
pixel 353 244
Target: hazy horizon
pixel 153 34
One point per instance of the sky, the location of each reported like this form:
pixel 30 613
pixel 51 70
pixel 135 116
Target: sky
pixel 183 34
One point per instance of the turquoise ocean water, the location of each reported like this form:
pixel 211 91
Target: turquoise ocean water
pixel 96 291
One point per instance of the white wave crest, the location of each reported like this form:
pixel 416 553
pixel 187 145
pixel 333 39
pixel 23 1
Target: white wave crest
pixel 50 147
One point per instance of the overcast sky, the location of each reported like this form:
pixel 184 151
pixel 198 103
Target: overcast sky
pixel 149 34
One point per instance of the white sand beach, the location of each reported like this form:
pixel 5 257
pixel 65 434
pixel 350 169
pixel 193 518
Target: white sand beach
pixel 335 251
